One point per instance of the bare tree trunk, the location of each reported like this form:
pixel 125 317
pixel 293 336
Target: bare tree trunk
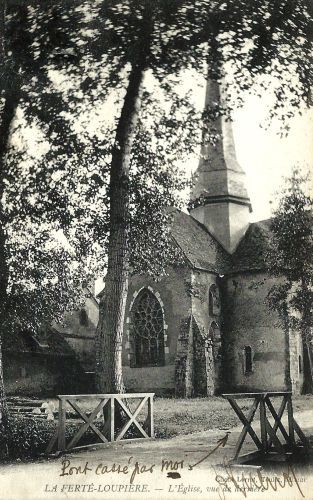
pixel 112 308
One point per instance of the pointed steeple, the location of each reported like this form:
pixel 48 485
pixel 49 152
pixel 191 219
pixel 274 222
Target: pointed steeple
pixel 219 197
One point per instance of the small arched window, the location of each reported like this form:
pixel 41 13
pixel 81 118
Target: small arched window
pixel 147 331
pixel 300 364
pixel 214 301
pixel 83 317
pixel 248 366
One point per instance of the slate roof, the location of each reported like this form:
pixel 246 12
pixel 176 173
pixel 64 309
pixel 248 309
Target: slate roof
pixel 203 251
pixel 200 248
pixel 250 255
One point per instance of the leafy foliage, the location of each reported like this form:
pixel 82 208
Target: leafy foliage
pixel 238 40
pixel 43 274
pixel 30 437
pixel 291 255
pixel 55 204
pixel 62 62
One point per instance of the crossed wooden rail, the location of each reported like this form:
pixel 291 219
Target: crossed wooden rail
pixel 107 405
pixel 268 444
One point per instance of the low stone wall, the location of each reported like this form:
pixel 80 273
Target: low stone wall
pixel 158 379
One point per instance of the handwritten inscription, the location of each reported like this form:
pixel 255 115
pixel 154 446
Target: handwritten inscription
pixel 171 465
pixel 248 482
pixel 225 481
pixel 134 469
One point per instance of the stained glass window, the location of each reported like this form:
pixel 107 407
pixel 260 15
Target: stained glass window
pixel 147 330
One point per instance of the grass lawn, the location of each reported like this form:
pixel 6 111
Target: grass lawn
pixel 175 417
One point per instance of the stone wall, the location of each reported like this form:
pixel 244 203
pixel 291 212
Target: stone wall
pixel 193 362
pixel 40 375
pixel 207 350
pixel 248 322
pixel 171 292
pixel 81 337
pixel 184 364
pixel 296 362
pixel 208 376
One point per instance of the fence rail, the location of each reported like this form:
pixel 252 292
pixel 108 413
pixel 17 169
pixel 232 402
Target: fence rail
pixel 107 405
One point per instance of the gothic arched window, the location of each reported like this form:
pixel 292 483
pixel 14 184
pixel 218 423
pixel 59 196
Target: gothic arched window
pixel 147 330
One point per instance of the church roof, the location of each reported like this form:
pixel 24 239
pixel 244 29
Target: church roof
pixel 200 248
pixel 203 251
pixel 251 252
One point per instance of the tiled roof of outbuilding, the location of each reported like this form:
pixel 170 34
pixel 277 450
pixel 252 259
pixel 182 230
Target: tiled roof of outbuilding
pixel 53 344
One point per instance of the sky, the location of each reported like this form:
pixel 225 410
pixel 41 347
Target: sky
pixel 266 157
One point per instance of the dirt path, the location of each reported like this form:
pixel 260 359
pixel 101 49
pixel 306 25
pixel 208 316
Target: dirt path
pixel 139 470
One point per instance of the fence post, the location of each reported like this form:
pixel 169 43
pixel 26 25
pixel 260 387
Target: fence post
pixel 290 420
pixel 62 422
pixel 263 424
pixel 111 419
pixel 150 416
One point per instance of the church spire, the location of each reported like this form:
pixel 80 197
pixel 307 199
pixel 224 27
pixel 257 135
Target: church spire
pixel 219 197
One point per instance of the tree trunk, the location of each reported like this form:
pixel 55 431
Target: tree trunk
pixel 109 377
pixel 8 114
pixel 306 330
pixel 4 413
pixel 309 353
pixel 10 92
pixel 3 302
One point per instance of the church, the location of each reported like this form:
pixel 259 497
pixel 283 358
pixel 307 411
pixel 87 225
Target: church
pixel 206 328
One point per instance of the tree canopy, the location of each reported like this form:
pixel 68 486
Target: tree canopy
pixel 61 62
pixel 291 257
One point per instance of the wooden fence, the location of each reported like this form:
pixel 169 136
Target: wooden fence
pixel 269 444
pixel 108 405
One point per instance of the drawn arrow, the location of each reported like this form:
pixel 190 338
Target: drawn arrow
pixel 220 442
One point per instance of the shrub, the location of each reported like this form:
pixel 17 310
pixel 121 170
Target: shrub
pixel 29 437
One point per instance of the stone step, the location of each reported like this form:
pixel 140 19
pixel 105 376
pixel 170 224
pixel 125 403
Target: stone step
pixel 24 402
pixel 23 409
pixel 42 416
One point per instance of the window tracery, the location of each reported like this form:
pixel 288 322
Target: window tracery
pixel 147 330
